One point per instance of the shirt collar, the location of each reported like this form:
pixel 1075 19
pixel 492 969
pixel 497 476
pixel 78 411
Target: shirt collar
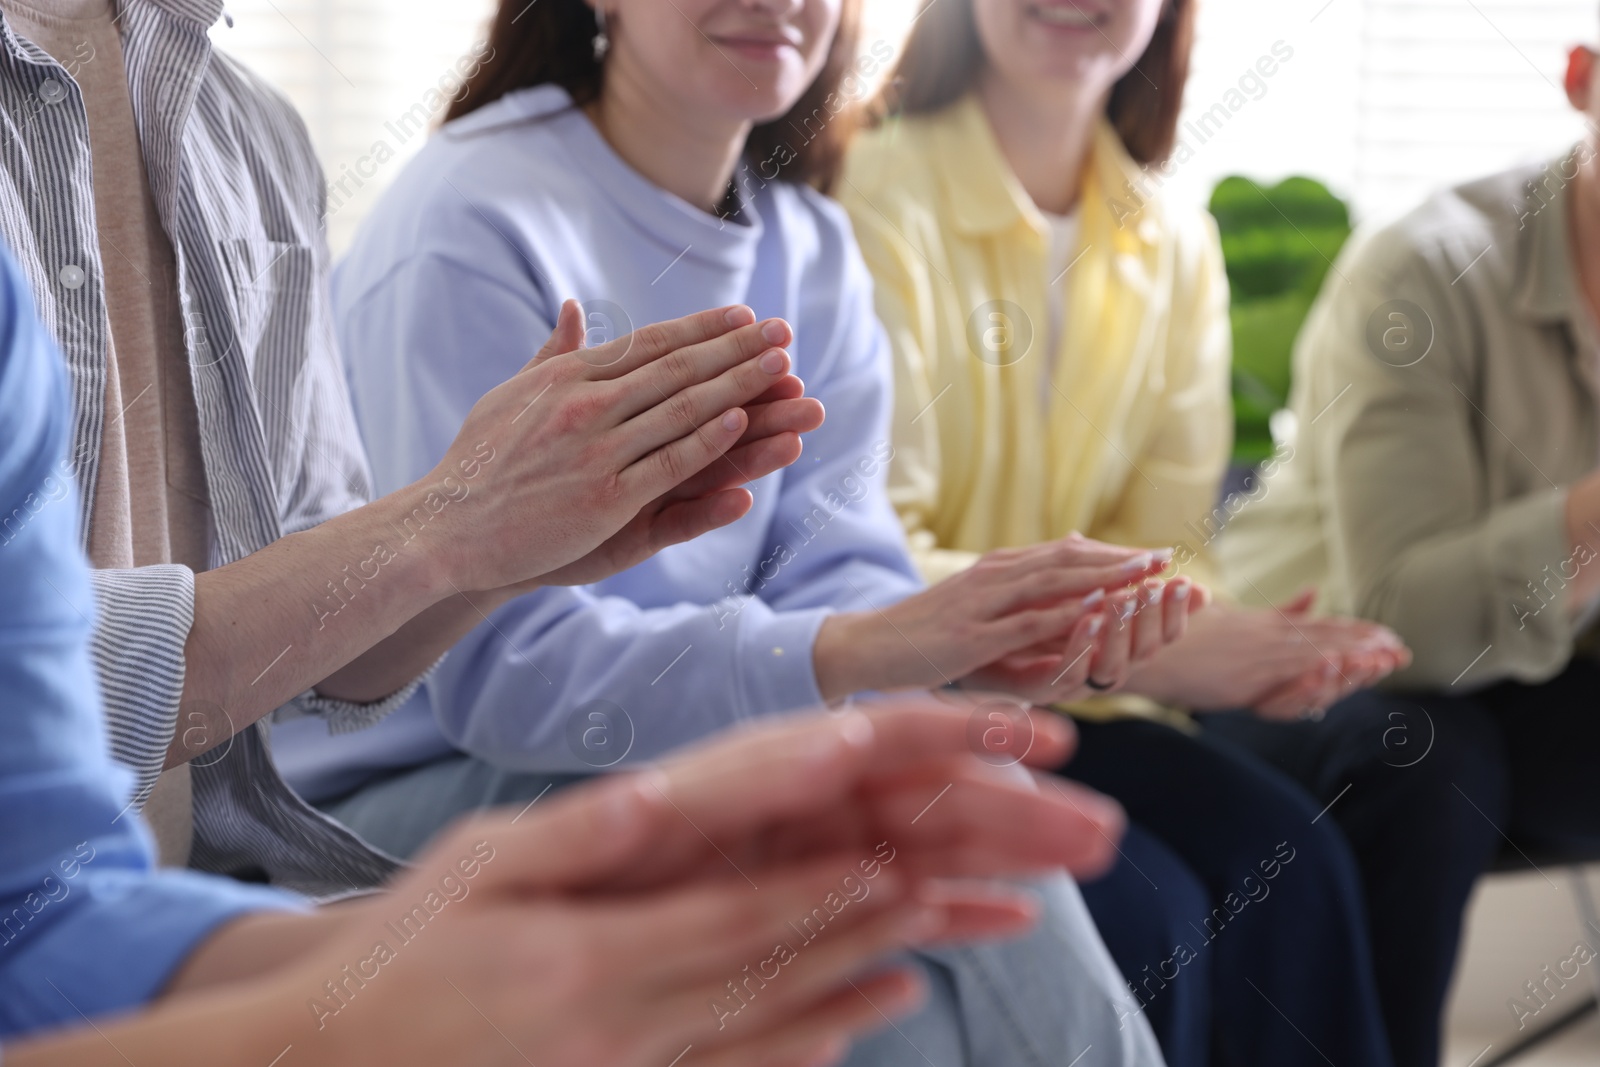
pixel 985 196
pixel 205 12
pixel 1546 289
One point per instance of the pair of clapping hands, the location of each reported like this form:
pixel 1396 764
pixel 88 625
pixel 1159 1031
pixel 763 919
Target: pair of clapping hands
pixel 611 924
pixel 648 440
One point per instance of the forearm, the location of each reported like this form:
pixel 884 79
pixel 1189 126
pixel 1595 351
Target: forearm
pixel 243 1026
pixel 1480 603
pixel 309 606
pixel 253 945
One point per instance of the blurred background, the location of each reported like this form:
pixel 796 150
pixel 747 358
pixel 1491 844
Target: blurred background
pixel 1372 105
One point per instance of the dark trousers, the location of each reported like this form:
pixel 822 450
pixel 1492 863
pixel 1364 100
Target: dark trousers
pixel 1423 784
pixel 1235 912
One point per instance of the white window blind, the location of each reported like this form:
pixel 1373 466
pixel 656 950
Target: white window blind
pixel 1384 100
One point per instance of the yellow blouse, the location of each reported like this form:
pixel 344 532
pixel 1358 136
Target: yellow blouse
pixel 1124 432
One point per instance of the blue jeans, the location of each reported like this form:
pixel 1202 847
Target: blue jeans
pixel 1046 1000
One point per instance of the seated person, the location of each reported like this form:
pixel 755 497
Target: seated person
pixel 595 931
pixel 1445 481
pixel 1062 363
pixel 166 206
pixel 630 176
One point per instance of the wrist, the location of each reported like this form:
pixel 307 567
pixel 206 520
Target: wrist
pixel 412 536
pixel 836 656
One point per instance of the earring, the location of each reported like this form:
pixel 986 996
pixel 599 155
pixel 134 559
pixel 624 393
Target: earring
pixel 601 42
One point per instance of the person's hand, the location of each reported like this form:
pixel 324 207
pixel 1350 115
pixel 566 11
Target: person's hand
pixel 604 925
pixel 554 462
pixel 1010 600
pixel 1283 662
pixel 711 499
pixel 1101 652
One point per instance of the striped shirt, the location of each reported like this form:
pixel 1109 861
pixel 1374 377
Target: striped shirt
pixel 241 196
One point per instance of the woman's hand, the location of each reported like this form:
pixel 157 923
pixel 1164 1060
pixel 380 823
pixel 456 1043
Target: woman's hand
pixel 1283 662
pixel 1011 599
pixel 553 463
pixel 1102 650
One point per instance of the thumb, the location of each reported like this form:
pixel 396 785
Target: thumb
pixel 1301 603
pixel 566 337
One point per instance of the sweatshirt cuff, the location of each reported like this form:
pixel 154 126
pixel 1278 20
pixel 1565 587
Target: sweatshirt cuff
pixel 143 618
pixel 773 660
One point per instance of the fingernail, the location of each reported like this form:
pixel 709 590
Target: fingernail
pixel 775 331
pixel 739 316
pixel 1180 590
pixel 1096 624
pixel 731 420
pixel 1139 563
pixel 1093 599
pixel 775 362
pixel 1162 555
pixel 1129 606
pixel 856 729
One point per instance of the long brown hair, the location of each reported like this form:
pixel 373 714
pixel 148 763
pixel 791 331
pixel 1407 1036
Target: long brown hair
pixel 943 58
pixel 550 43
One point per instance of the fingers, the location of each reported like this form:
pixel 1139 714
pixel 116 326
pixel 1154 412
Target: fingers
pixel 800 414
pixel 691 426
pixel 1179 597
pixel 623 356
pixel 1115 654
pixel 687 519
pixel 819 1034
pixel 988 824
pixel 810 963
pixel 683 368
pixel 566 337
pixel 1149 618
pixel 1306 695
pixel 741 465
pixel 1301 604
pixel 706 933
pixel 659 472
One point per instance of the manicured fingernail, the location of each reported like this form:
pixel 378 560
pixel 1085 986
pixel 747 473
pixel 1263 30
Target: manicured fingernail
pixel 775 361
pixel 1139 563
pixel 1162 555
pixel 775 331
pixel 731 420
pixel 1129 606
pixel 1093 599
pixel 1180 590
pixel 1096 624
pixel 739 316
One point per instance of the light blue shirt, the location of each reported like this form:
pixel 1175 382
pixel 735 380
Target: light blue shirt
pixel 86 923
pixel 453 284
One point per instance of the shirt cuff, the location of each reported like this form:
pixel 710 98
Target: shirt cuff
pixel 144 615
pixel 120 944
pixel 344 716
pixel 774 660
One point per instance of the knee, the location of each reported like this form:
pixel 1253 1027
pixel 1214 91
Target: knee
pixel 1441 767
